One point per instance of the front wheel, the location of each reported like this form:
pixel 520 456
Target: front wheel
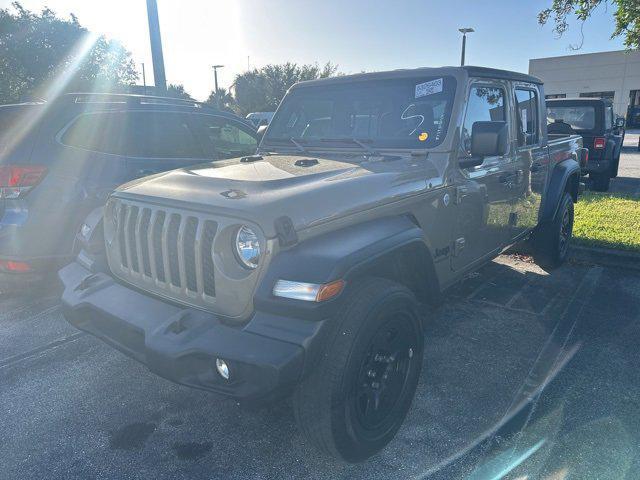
pixel 551 241
pixel 355 401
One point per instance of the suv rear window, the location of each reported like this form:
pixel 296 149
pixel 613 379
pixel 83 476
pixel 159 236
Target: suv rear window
pixel 135 134
pixel 579 117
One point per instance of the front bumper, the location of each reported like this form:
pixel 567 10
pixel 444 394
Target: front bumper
pixel 267 354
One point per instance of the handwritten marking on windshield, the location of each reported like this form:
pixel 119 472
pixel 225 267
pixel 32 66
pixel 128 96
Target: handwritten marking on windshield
pixel 409 117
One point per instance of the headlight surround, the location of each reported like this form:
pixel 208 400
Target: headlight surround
pixel 111 214
pixel 247 247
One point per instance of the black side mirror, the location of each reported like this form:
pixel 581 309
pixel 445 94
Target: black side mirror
pixel 488 139
pixel 260 132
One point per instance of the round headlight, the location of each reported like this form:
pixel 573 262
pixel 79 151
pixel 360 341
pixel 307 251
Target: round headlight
pixel 247 247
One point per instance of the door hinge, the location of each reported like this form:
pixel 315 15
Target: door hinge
pixel 458 246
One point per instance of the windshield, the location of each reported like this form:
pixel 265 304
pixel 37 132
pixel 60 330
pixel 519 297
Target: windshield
pixel 397 113
pixel 579 117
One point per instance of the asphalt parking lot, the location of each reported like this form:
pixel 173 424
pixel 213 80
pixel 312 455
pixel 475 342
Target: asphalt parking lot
pixel 526 375
pixel 522 367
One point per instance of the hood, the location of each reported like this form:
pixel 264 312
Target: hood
pixel 309 189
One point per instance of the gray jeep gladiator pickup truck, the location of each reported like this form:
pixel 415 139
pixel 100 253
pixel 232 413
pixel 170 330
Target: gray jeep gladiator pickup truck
pixel 301 269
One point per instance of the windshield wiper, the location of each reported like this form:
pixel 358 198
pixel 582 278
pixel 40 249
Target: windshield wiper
pixel 360 143
pixel 298 145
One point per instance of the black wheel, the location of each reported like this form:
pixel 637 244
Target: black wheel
pixel 355 401
pixel 616 166
pixel 600 181
pixel 552 239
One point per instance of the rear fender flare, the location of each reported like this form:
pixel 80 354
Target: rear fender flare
pixel 563 173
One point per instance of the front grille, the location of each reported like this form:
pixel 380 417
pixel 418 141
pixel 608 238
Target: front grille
pixel 169 250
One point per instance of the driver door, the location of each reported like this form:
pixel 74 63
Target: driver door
pixel 483 193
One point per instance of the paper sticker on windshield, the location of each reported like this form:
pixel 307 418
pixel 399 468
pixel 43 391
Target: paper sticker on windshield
pixel 428 88
pixel 423 136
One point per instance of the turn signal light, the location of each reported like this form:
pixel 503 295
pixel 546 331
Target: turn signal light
pixel 599 143
pixel 309 292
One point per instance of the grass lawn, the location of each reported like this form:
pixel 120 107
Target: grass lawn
pixel 607 220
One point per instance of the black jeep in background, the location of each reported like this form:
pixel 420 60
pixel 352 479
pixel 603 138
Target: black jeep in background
pixel 601 132
pixel 59 160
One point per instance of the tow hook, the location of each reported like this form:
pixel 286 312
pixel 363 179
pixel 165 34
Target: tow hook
pixel 87 282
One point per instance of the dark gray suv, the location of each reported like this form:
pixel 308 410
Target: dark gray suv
pixel 60 160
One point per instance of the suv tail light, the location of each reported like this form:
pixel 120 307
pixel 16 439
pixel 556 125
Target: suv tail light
pixel 599 143
pixel 17 180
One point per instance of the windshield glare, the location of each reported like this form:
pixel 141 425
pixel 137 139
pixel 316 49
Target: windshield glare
pixel 580 118
pixel 398 113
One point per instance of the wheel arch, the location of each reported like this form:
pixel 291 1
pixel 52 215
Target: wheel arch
pixel 565 177
pixel 395 248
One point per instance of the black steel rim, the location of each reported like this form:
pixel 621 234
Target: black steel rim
pixel 384 372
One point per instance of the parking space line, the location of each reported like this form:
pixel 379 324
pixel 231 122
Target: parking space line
pixel 15 359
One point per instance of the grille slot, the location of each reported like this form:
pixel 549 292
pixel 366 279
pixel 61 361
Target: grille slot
pixel 169 250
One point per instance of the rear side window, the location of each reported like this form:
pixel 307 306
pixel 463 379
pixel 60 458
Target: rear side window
pixel 486 104
pixel 527 102
pixel 225 138
pixel 98 132
pixel 135 134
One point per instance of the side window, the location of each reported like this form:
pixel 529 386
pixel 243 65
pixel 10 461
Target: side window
pixel 527 102
pixel 136 134
pixel 98 132
pixel 485 104
pixel 224 138
pixel 160 135
pixel 608 118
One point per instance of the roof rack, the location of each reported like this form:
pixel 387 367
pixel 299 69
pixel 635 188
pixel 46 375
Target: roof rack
pixel 131 99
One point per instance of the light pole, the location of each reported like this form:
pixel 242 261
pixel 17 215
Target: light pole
pixel 464 32
pixel 156 46
pixel 215 75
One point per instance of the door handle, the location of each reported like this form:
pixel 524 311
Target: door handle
pixel 536 167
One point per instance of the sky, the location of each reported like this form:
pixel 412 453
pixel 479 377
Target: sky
pixel 357 35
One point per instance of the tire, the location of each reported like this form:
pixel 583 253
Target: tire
pixel 354 402
pixel 551 241
pixel 600 181
pixel 615 166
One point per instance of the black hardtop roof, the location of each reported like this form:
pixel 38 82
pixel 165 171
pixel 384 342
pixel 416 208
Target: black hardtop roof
pixel 471 71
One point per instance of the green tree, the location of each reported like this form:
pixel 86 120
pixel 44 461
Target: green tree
pixel 178 91
pixel 626 14
pixel 261 90
pixel 43 55
pixel 222 99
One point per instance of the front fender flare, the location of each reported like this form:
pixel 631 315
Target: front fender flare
pixel 342 254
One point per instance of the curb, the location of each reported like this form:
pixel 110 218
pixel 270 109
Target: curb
pixel 605 256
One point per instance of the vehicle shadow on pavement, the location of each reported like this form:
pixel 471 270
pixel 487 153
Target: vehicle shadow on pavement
pixel 500 336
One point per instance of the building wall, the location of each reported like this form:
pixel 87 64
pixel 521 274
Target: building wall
pixel 617 71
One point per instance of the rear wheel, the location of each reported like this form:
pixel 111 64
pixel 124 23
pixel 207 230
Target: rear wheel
pixel 551 241
pixel 615 166
pixel 355 401
pixel 600 181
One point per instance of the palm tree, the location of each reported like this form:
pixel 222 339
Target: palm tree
pixel 222 99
